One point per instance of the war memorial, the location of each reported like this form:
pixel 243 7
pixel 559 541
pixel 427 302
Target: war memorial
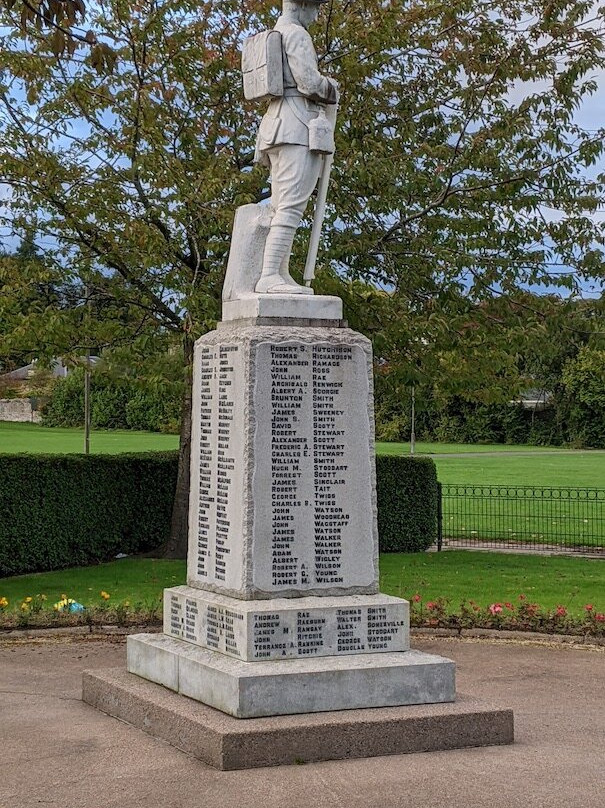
pixel 280 648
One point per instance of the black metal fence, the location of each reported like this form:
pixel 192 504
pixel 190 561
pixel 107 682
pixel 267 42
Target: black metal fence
pixel 522 518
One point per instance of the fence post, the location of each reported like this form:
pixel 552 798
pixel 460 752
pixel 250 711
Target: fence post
pixel 439 518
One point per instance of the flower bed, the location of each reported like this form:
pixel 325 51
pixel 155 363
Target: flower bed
pixel 37 612
pixel 520 616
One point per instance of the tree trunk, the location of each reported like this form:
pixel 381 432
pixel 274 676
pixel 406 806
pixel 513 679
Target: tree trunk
pixel 176 547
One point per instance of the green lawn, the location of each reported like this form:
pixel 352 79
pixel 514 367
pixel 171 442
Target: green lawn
pixel 486 578
pixel 516 465
pixel 461 448
pixel 495 464
pixel 455 575
pixel 580 469
pixel 38 439
pixel 136 580
pixel 532 519
pixel 463 465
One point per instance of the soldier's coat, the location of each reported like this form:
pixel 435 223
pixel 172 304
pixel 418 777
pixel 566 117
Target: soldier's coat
pixel 287 119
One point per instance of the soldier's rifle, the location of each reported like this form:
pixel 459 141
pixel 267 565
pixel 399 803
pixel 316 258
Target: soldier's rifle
pixel 320 206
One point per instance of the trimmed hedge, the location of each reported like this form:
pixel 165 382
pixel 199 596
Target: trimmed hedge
pixel 61 511
pixel 408 495
pixel 73 510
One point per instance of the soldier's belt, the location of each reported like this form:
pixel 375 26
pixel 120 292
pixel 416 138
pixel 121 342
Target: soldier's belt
pixel 292 92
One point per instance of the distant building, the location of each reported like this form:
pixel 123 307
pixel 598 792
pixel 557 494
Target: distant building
pixel 534 399
pixel 58 369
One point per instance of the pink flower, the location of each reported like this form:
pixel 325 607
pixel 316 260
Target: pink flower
pixel 561 611
pixel 522 596
pixel 509 605
pixel 431 605
pixel 600 617
pixel 495 608
pixel 416 598
pixel 589 607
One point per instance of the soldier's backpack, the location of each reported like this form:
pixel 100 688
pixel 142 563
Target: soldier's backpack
pixel 262 67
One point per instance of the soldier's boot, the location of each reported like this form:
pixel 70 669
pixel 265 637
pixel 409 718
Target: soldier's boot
pixel 275 278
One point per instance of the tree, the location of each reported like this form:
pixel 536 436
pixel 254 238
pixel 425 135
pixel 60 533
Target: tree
pixel 584 397
pixel 131 146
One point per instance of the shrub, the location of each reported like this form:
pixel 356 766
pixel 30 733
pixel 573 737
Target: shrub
pixel 407 503
pixel 65 406
pixel 109 406
pixel 72 510
pixel 115 404
pixel 154 411
pixel 108 402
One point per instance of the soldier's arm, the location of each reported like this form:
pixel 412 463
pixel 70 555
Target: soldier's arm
pixel 303 65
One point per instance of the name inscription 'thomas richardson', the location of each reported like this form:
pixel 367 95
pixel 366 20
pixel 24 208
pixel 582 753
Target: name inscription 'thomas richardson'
pixel 308 456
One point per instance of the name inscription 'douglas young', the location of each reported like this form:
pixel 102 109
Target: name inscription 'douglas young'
pixel 308 460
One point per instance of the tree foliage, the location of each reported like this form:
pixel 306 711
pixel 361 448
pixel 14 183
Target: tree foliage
pixel 461 174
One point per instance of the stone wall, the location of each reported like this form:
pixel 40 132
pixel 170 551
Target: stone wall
pixel 18 409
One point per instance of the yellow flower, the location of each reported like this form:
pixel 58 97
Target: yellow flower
pixel 24 607
pixel 63 597
pixel 28 600
pixel 43 597
pixel 3 603
pixel 126 603
pixel 105 595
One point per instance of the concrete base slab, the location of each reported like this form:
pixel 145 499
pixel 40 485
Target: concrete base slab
pixel 229 743
pixel 289 686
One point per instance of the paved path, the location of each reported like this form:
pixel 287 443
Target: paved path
pixel 57 751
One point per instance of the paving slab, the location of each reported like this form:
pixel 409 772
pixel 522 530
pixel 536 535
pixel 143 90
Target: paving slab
pixel 58 751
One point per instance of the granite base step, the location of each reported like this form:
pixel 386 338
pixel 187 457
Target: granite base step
pixel 229 743
pixel 289 686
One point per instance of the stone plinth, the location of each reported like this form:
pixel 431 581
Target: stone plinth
pixel 282 613
pixel 228 743
pixel 287 628
pixel 283 500
pixel 288 686
pixel 299 307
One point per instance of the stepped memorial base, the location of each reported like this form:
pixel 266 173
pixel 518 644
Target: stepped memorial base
pixel 228 743
pixel 288 686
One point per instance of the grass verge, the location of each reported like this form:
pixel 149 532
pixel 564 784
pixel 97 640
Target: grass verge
pixel 454 589
pixel 16 438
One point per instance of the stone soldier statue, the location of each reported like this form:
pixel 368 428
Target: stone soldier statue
pixel 295 135
pixel 283 141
